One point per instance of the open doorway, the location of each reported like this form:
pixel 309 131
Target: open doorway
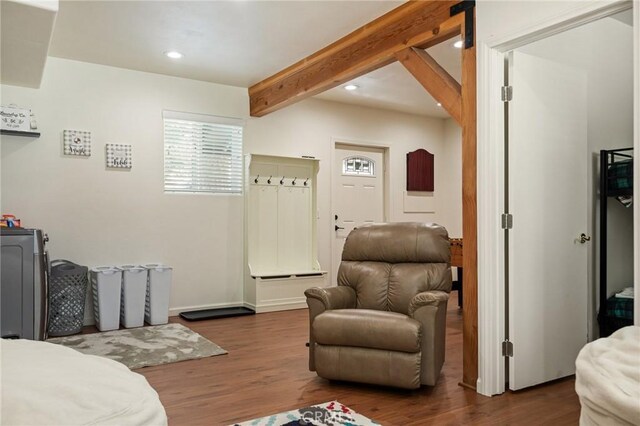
pixel 569 97
pixel 402 35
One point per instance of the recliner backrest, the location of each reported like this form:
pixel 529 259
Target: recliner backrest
pixel 387 264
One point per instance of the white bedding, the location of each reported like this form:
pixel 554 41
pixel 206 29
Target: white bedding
pixel 608 379
pixel 46 384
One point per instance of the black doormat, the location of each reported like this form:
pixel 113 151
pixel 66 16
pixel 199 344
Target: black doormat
pixel 216 313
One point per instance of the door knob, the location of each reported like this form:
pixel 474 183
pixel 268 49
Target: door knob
pixel 339 227
pixel 584 238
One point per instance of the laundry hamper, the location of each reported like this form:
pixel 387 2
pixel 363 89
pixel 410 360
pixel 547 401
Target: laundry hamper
pixel 67 294
pixel 158 292
pixel 106 282
pixel 133 295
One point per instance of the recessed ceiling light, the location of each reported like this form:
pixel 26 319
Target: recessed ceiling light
pixel 173 54
pixel 350 87
pixel 458 44
pixel 439 104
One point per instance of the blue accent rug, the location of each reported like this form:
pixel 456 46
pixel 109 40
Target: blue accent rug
pixel 327 414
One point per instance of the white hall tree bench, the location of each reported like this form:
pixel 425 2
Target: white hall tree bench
pixel 281 256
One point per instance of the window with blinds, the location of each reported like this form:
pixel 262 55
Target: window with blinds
pixel 202 154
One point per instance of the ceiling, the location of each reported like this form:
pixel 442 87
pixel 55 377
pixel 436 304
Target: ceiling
pixel 238 43
pixel 625 17
pixel 392 87
pixel 229 42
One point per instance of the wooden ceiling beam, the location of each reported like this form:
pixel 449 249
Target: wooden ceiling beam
pixel 435 79
pixel 415 23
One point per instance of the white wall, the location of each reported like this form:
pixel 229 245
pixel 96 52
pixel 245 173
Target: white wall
pixel 501 18
pixel 604 49
pixel 451 196
pixel 96 216
pixel 308 128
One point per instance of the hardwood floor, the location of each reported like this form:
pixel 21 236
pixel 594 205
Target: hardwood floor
pixel 266 372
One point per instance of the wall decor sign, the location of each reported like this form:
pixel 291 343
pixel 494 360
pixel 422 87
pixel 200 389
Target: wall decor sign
pixel 118 156
pixel 18 119
pixel 76 142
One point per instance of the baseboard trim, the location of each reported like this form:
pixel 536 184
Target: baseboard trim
pixel 467 386
pixel 283 306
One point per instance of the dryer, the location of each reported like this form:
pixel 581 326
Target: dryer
pixel 23 283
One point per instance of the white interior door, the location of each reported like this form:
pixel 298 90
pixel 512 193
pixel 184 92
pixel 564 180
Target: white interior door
pixel 358 193
pixel 548 199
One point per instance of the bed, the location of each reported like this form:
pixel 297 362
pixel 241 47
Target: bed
pixel 43 383
pixel 608 379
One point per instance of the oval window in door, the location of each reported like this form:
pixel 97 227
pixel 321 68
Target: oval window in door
pixel 358 166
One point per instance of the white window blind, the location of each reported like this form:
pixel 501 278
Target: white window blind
pixel 202 154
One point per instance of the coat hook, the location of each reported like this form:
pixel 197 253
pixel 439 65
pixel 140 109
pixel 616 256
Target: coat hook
pixel 256 179
pixel 282 181
pixel 269 180
pixel 305 182
pixel 293 182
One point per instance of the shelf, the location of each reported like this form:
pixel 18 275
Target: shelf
pixel 18 133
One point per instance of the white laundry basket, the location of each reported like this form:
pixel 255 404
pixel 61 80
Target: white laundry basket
pixel 106 282
pixel 158 291
pixel 133 296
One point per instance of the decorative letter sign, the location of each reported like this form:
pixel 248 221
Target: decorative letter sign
pixel 77 142
pixel 118 156
pixel 420 171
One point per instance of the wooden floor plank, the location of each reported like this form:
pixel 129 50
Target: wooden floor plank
pixel 265 372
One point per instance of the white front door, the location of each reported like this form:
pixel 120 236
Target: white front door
pixel 358 193
pixel 547 187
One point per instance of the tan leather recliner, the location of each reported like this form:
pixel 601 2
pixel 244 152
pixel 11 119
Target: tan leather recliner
pixel 385 321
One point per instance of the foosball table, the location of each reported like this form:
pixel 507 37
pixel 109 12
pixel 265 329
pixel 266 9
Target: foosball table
pixel 456 260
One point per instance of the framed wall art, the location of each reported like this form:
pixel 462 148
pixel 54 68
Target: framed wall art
pixel 76 142
pixel 118 156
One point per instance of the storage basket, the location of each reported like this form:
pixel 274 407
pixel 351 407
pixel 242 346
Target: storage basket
pixel 158 292
pixel 67 295
pixel 106 282
pixel 620 175
pixel 133 296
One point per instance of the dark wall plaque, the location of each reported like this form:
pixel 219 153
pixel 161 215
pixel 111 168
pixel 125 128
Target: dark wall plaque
pixel 420 170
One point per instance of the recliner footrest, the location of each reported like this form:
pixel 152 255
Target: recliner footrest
pixel 373 366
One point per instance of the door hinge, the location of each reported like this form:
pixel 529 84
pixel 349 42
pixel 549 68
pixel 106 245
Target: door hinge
pixel 507 348
pixel 507 221
pixel 506 93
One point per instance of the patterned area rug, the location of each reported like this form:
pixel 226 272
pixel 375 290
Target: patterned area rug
pixel 328 414
pixel 144 346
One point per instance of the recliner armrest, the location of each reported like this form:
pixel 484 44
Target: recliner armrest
pixel 427 298
pixel 430 309
pixel 341 297
pixel 320 300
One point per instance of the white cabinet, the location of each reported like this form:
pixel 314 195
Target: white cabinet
pixel 280 232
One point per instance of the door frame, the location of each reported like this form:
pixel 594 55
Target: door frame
pixel 386 195
pixel 491 189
